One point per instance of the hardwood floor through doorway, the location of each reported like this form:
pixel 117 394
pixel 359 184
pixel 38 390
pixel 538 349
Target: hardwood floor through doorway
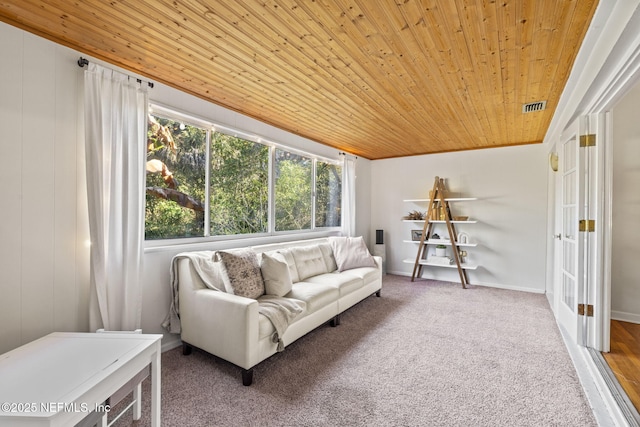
pixel 624 358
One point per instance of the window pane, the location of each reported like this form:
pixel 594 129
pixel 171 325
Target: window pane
pixel 293 191
pixel 328 194
pixel 176 161
pixel 239 186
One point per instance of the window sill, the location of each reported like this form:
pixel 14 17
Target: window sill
pixel 228 242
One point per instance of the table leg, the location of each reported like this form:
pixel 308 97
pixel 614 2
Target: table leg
pixel 137 402
pixel 155 389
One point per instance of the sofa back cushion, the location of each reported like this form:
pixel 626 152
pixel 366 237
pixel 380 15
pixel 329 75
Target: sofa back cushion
pixel 327 255
pixel 309 261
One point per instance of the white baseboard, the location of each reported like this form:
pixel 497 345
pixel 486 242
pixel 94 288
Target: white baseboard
pixel 170 341
pixel 488 285
pixel 625 317
pixel 604 406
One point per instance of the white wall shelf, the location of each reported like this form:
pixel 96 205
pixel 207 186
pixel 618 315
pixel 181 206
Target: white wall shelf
pixel 448 199
pixel 442 242
pixel 440 222
pixel 464 265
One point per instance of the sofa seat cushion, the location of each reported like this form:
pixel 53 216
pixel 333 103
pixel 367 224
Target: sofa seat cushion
pixel 344 282
pixel 366 274
pixel 316 295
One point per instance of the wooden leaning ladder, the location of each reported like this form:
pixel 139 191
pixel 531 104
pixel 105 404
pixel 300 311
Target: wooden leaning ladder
pixel 438 203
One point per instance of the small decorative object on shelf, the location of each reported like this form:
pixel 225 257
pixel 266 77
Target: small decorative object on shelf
pixel 446 193
pixel 441 250
pixel 463 238
pixel 434 213
pixel 439 260
pixel 416 235
pixel 414 216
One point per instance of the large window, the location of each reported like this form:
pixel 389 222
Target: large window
pixel 206 182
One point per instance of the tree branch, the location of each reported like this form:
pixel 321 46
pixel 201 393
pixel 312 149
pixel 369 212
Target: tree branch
pixel 179 197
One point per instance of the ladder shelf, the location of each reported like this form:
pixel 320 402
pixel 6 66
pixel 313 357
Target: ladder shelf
pixel 439 212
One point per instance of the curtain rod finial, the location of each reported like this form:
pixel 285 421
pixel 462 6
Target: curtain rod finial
pixel 83 61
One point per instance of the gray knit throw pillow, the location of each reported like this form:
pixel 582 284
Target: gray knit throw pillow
pixel 243 271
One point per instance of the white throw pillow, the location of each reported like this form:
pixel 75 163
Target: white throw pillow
pixel 275 272
pixel 351 252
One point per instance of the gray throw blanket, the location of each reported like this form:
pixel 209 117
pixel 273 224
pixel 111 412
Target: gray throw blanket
pixel 208 271
pixel 280 311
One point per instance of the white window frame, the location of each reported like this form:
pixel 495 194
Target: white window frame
pixel 211 126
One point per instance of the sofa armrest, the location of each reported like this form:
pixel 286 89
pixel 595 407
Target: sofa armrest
pixel 222 324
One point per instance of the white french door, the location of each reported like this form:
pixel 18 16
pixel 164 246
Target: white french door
pixel 572 245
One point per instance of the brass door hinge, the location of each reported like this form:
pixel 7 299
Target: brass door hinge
pixel 588 140
pixel 585 310
pixel 588 225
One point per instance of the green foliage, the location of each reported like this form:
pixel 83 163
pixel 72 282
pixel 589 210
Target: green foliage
pixel 239 189
pixel 293 191
pixel 164 218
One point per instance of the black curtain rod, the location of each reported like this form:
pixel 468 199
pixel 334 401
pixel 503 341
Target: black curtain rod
pixel 84 61
pixel 342 153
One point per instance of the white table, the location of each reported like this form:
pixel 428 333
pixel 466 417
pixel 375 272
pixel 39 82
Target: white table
pixel 61 378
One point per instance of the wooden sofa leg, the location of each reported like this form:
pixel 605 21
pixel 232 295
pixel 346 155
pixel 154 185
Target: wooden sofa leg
pixel 379 293
pixel 335 321
pixel 247 377
pixel 186 349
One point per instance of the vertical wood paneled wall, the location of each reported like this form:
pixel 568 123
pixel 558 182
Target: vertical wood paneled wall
pixel 43 227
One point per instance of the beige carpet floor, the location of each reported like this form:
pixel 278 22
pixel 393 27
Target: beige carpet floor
pixel 426 353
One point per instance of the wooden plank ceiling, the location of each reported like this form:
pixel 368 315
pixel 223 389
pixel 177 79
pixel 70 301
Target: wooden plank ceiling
pixel 376 78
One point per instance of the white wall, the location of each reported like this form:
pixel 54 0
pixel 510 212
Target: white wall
pixel 511 185
pixel 43 228
pixel 44 252
pixel 625 288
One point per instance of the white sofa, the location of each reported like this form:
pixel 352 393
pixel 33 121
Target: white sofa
pixel 230 326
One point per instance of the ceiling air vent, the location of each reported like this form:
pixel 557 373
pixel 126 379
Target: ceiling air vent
pixel 534 106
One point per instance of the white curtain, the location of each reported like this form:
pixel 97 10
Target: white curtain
pixel 349 197
pixel 115 127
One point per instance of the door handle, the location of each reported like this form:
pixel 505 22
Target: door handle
pixel 558 236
